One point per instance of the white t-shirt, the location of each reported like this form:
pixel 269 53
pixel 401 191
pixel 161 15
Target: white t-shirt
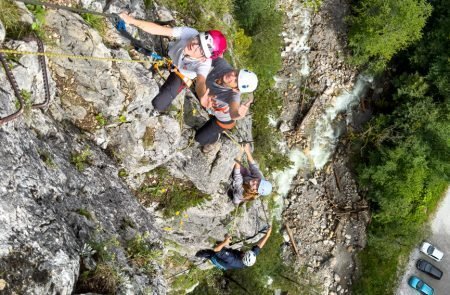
pixel 187 66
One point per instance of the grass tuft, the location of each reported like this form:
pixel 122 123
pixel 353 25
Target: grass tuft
pixel 173 195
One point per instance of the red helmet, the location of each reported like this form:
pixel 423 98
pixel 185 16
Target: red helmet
pixel 213 43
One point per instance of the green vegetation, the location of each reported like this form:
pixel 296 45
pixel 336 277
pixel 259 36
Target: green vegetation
pixel 47 158
pixel 174 195
pixel 106 277
pixel 10 18
pixel 100 119
pixel 85 213
pixel 404 155
pixel 142 254
pixel 122 118
pixel 26 95
pixel 381 28
pixel 123 173
pixel 81 159
pixel 38 25
pixel 175 263
pixel 97 22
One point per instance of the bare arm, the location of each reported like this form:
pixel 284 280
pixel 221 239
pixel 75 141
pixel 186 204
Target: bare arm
pixel 248 153
pixel 147 26
pixel 264 239
pixel 225 242
pixel 200 85
pixel 240 111
pixel 234 111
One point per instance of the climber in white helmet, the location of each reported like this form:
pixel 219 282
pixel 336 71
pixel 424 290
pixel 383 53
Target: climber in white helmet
pixel 226 258
pixel 223 100
pixel 248 183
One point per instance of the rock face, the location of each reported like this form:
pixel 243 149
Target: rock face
pixel 43 197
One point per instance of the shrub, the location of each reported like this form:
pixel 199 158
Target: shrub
pixel 81 159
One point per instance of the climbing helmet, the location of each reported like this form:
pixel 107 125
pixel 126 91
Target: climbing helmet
pixel 213 43
pixel 247 81
pixel 264 188
pixel 249 258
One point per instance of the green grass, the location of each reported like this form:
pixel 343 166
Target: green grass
pixel 81 159
pixel 26 95
pixel 97 22
pixel 173 195
pixel 85 213
pixel 142 253
pixel 47 158
pixel 10 17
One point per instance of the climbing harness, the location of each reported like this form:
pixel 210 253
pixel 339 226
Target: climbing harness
pixel 15 87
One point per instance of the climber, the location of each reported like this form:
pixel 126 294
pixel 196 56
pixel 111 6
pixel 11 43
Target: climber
pixel 192 54
pixel 248 183
pixel 223 99
pixel 226 258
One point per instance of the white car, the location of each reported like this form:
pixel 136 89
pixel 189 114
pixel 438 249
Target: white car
pixel 431 251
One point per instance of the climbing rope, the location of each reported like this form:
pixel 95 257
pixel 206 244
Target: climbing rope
pixel 70 56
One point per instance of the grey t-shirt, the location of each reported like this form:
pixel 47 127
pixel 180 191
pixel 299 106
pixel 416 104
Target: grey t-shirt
pixel 224 95
pixel 187 66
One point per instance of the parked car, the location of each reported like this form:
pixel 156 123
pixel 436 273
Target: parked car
pixel 431 251
pixel 429 269
pixel 420 286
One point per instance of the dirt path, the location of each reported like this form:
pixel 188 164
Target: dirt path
pixel 440 237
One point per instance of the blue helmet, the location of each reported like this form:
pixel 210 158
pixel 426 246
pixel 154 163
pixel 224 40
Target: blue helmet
pixel 264 188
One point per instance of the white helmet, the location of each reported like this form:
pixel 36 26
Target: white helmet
pixel 247 81
pixel 249 258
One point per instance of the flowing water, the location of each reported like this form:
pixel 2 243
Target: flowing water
pixel 323 138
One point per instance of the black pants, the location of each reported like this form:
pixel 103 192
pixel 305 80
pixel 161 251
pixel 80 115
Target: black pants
pixel 167 93
pixel 209 133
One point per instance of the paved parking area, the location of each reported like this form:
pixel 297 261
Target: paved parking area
pixel 440 237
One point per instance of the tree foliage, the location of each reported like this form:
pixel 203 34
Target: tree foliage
pixel 405 163
pixel 381 28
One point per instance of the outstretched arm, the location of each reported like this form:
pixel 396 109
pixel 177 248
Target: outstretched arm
pixel 147 26
pixel 264 239
pixel 225 242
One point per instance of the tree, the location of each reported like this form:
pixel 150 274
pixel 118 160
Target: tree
pixel 380 28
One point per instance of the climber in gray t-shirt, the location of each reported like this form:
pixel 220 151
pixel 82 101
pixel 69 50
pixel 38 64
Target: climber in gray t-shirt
pixel 191 53
pixel 223 99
